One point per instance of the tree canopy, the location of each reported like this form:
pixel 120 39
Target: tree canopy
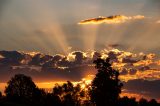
pixel 103 91
pixel 106 86
pixel 21 88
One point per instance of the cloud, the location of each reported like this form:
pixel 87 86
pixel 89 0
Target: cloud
pixel 143 87
pixel 79 57
pixel 39 66
pixel 114 45
pixel 116 19
pixel 11 57
pixel 134 68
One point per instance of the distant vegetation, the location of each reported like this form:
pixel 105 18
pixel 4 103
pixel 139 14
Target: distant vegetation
pixel 103 91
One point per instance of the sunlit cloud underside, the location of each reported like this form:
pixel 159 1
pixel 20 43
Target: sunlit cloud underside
pixel 116 19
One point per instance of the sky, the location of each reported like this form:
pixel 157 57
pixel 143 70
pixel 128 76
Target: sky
pixel 50 26
pixel 57 40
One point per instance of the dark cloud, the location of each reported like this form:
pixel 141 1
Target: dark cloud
pixel 124 71
pixel 113 56
pixel 128 60
pixel 114 45
pixel 132 71
pixel 144 87
pixel 75 63
pixel 96 55
pixel 79 57
pixel 11 58
pixel 143 68
pixel 52 61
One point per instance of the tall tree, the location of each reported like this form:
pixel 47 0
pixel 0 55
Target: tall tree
pixel 106 86
pixel 22 89
pixel 153 102
pixel 125 101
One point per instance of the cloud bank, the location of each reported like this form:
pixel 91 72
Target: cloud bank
pixel 116 19
pixel 135 68
pixel 78 64
pixel 143 87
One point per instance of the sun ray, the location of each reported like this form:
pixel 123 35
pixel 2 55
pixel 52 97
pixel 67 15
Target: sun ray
pixel 89 37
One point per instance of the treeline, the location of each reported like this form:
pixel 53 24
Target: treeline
pixel 22 91
pixel 103 91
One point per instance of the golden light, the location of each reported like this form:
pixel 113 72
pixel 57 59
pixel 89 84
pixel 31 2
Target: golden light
pixel 143 36
pixel 89 35
pixel 148 74
pixel 42 30
pixel 83 86
pixel 117 19
pixel 135 95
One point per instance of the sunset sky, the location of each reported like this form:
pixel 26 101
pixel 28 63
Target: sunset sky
pixel 51 26
pixel 57 40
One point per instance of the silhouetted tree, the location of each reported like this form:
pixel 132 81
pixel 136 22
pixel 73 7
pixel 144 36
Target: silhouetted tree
pixel 125 101
pixel 38 97
pixel 68 100
pixel 66 93
pixel 0 94
pixel 0 98
pixel 69 94
pixel 1 101
pixel 22 89
pixel 143 102
pixel 106 86
pixel 153 102
pixel 52 100
pixel 104 91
